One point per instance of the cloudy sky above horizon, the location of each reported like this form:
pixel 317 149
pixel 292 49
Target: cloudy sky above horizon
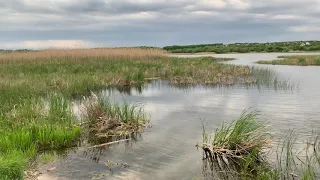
pixel 89 23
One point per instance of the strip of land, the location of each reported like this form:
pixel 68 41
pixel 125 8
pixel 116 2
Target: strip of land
pixel 220 48
pixel 310 60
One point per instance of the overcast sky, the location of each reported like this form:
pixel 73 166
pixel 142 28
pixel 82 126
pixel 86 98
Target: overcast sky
pixel 66 23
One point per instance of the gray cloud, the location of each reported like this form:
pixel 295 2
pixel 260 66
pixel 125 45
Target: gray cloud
pixel 157 22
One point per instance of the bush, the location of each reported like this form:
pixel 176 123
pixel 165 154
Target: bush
pixel 302 60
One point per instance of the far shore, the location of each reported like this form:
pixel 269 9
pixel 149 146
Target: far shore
pixel 204 53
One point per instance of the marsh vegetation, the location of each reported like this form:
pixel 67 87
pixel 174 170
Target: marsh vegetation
pixel 37 88
pixel 306 60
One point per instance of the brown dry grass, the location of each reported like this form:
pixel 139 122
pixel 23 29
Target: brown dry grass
pixel 112 53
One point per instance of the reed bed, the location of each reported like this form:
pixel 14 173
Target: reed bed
pixel 305 60
pixel 76 54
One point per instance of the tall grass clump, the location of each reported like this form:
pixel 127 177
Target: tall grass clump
pixel 246 132
pixel 108 120
pixel 239 150
pixel 237 145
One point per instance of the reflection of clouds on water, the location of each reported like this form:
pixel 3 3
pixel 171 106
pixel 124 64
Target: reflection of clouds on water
pixel 147 93
pixel 127 175
pixel 158 111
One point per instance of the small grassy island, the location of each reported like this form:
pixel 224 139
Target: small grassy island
pixel 301 60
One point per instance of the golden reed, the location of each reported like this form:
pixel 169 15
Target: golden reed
pixel 109 53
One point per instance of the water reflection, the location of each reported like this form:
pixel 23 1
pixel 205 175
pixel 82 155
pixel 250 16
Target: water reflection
pixel 273 82
pixel 94 153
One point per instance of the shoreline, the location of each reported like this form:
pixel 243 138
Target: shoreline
pixel 204 53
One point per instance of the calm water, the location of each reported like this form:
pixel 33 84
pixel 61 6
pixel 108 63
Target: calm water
pixel 167 150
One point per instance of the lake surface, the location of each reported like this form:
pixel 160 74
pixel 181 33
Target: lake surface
pixel 167 150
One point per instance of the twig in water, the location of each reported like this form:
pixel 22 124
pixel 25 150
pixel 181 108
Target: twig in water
pixel 109 143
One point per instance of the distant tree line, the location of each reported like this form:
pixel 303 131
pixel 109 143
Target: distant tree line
pixel 17 50
pixel 221 48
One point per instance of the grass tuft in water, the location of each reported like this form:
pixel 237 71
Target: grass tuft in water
pixel 107 120
pixel 238 151
pixel 238 145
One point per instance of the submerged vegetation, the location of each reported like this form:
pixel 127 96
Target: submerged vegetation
pixel 221 48
pixel 37 87
pixel 239 150
pixel 301 60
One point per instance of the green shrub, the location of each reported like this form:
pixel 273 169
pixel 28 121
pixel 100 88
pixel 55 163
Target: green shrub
pixel 302 60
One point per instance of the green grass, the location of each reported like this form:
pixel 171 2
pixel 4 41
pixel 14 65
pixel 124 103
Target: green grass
pixel 245 130
pixel 12 165
pixel 236 148
pixel 306 60
pixel 30 128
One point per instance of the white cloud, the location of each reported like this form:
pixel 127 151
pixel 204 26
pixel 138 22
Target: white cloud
pixel 45 44
pixel 305 28
pixel 239 4
pixel 287 17
pixel 219 4
pixel 205 13
pixel 158 21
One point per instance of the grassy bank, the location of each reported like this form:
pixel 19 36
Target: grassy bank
pixel 32 127
pixel 36 88
pixel 310 60
pixel 220 48
pixel 239 150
